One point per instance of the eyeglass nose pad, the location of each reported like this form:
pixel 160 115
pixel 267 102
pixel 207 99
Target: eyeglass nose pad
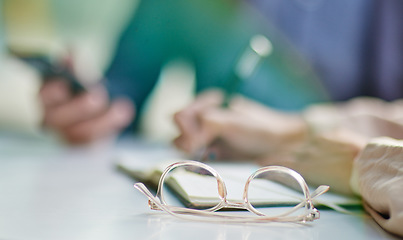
pixel 313 215
pixel 152 205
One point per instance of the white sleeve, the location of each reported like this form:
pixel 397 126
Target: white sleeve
pixel 20 108
pixel 378 178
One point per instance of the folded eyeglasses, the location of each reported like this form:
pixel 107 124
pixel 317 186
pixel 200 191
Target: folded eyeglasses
pixel 304 211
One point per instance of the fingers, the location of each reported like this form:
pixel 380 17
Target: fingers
pixel 234 135
pixel 225 133
pixel 192 136
pixel 245 129
pixel 108 123
pixel 86 117
pixel 54 93
pixel 77 109
pixel 257 111
pixel 237 128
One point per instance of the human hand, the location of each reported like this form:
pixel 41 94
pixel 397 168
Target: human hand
pixel 324 158
pixel 86 117
pixel 245 130
pixel 378 178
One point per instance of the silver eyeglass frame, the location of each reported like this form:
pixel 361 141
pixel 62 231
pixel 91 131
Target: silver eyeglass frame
pixel 158 202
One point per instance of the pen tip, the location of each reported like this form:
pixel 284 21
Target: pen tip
pixel 261 45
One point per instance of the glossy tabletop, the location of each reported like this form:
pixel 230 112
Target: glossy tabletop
pixel 49 191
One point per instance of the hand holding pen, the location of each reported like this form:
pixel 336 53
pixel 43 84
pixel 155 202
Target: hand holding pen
pixel 195 118
pixel 244 130
pixel 78 114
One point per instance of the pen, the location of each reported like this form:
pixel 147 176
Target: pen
pixel 259 47
pixel 49 71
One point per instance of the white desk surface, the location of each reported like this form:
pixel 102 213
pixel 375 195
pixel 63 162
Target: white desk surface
pixel 52 192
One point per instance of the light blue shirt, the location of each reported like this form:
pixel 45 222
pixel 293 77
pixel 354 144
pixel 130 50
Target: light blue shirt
pixel 355 46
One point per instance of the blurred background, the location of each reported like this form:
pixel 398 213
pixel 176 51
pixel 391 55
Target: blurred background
pixel 89 27
pixel 88 30
pixel 163 46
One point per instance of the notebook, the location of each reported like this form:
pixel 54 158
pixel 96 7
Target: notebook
pixel 198 191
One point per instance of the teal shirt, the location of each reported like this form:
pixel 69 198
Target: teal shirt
pixel 211 34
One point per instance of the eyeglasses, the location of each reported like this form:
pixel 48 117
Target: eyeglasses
pixel 304 211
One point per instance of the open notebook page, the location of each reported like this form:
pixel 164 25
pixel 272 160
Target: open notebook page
pixel 199 191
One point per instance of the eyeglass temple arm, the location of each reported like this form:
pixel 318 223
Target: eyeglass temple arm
pixel 153 202
pixel 313 215
pixel 319 191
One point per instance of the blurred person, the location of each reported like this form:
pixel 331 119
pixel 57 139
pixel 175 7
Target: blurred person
pixel 210 35
pixel 356 48
pixel 337 144
pixel 346 46
pixel 352 60
pixel 320 136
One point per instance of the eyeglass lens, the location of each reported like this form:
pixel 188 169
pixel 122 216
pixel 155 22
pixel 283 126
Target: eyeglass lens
pixel 277 191
pixel 200 187
pixel 197 187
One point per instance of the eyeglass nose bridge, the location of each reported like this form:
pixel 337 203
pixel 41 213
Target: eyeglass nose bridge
pixel 237 205
pixel 313 215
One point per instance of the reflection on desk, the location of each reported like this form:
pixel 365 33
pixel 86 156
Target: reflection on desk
pixel 49 191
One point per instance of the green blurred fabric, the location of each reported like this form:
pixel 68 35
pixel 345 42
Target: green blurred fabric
pixel 211 34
